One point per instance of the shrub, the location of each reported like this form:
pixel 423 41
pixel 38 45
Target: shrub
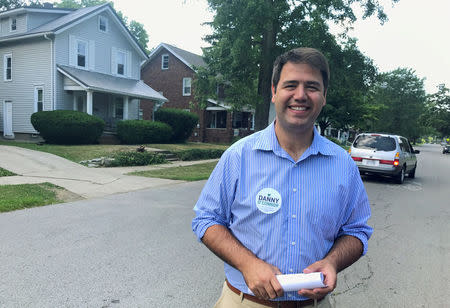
pixel 67 126
pixel 133 158
pixel 182 122
pixel 143 131
pixel 197 154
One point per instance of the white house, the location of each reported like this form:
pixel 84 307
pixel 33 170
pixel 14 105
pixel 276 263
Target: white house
pixel 83 60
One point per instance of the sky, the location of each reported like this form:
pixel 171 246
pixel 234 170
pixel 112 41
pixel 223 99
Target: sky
pixel 416 35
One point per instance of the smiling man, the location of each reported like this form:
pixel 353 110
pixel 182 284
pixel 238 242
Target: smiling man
pixel 285 200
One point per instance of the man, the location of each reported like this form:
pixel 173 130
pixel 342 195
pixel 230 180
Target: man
pixel 285 200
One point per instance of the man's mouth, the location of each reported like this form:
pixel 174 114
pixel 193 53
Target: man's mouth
pixel 297 108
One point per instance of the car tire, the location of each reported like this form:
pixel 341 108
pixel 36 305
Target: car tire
pixel 400 177
pixel 412 173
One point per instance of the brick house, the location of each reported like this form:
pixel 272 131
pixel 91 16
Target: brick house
pixel 170 71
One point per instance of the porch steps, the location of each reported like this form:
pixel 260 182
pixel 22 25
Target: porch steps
pixel 169 156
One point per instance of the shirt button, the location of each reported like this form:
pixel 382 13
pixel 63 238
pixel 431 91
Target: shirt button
pixel 294 216
pixel 295 165
pixel 291 270
pixel 294 189
pixel 289 295
pixel 293 243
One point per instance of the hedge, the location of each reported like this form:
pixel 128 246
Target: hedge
pixel 67 126
pixel 143 131
pixel 182 122
pixel 133 158
pixel 197 154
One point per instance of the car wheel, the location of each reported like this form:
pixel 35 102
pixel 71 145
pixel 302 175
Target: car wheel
pixel 412 173
pixel 400 177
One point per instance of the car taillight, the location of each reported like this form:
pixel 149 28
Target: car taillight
pixel 397 156
pixel 387 162
pixel 357 158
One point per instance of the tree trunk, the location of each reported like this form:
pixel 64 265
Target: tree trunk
pixel 265 72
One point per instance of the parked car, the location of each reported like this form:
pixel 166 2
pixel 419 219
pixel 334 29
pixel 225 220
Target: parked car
pixel 446 148
pixel 384 154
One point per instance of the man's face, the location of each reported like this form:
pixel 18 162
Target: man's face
pixel 299 97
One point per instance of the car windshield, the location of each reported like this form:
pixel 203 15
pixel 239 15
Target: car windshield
pixel 375 142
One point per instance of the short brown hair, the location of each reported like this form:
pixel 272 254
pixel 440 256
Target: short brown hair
pixel 310 56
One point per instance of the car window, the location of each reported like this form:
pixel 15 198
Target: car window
pixel 404 145
pixel 375 142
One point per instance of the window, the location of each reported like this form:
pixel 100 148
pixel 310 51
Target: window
pixel 187 86
pixel 103 24
pixel 217 119
pixel 13 24
pixel 38 99
pixel 7 67
pixel 118 108
pixel 81 54
pixel 121 59
pixel 242 119
pixel 165 62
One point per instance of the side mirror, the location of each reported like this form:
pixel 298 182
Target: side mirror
pixel 416 151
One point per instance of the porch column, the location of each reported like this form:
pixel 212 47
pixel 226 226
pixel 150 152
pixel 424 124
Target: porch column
pixel 89 102
pixel 74 102
pixel 126 99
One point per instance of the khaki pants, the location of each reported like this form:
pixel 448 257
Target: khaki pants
pixel 229 299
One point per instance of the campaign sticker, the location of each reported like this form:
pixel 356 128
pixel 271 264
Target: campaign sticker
pixel 268 200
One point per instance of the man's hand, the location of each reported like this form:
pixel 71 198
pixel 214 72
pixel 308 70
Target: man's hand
pixel 330 277
pixel 261 280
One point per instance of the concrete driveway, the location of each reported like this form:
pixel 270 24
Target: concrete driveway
pixel 38 167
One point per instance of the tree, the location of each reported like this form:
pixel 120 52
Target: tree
pixel 249 34
pixel 401 96
pixel 136 29
pixel 10 4
pixel 437 114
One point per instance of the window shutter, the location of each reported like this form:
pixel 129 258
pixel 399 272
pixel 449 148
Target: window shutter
pixel 128 64
pixel 91 57
pixel 72 51
pixel 113 61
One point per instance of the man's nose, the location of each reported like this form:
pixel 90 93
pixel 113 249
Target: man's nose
pixel 300 93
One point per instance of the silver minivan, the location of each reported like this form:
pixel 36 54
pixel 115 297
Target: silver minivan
pixel 384 154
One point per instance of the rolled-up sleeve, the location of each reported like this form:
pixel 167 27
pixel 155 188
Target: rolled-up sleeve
pixel 214 204
pixel 357 211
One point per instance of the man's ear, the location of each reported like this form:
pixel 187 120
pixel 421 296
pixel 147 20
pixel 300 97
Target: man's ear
pixel 324 98
pixel 273 93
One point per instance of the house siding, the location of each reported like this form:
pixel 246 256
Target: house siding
pixel 21 24
pixel 104 43
pixel 27 73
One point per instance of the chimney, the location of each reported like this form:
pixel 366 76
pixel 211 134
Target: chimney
pixel 48 5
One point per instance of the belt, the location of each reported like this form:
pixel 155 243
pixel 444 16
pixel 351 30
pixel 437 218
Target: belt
pixel 275 304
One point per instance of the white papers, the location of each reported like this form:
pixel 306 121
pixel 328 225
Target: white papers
pixel 295 282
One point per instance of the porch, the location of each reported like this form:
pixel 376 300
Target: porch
pixel 109 97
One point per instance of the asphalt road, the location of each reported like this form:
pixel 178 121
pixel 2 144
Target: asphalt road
pixel 137 249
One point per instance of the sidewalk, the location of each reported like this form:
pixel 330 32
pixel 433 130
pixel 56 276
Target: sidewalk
pixel 37 167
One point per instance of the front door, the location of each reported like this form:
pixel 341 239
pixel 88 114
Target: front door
pixel 7 120
pixel 80 102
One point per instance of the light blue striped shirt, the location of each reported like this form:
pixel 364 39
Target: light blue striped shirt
pixel 288 213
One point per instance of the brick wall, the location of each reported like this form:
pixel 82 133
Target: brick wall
pixel 169 81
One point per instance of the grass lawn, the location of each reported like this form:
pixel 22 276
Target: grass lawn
pixel 187 173
pixel 4 172
pixel 16 197
pixel 77 153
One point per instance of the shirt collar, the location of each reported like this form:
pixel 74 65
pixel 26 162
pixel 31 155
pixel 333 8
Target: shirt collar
pixel 268 141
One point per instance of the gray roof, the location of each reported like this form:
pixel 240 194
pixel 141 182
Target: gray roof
pixel 110 84
pixel 71 18
pixel 66 19
pixel 190 59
